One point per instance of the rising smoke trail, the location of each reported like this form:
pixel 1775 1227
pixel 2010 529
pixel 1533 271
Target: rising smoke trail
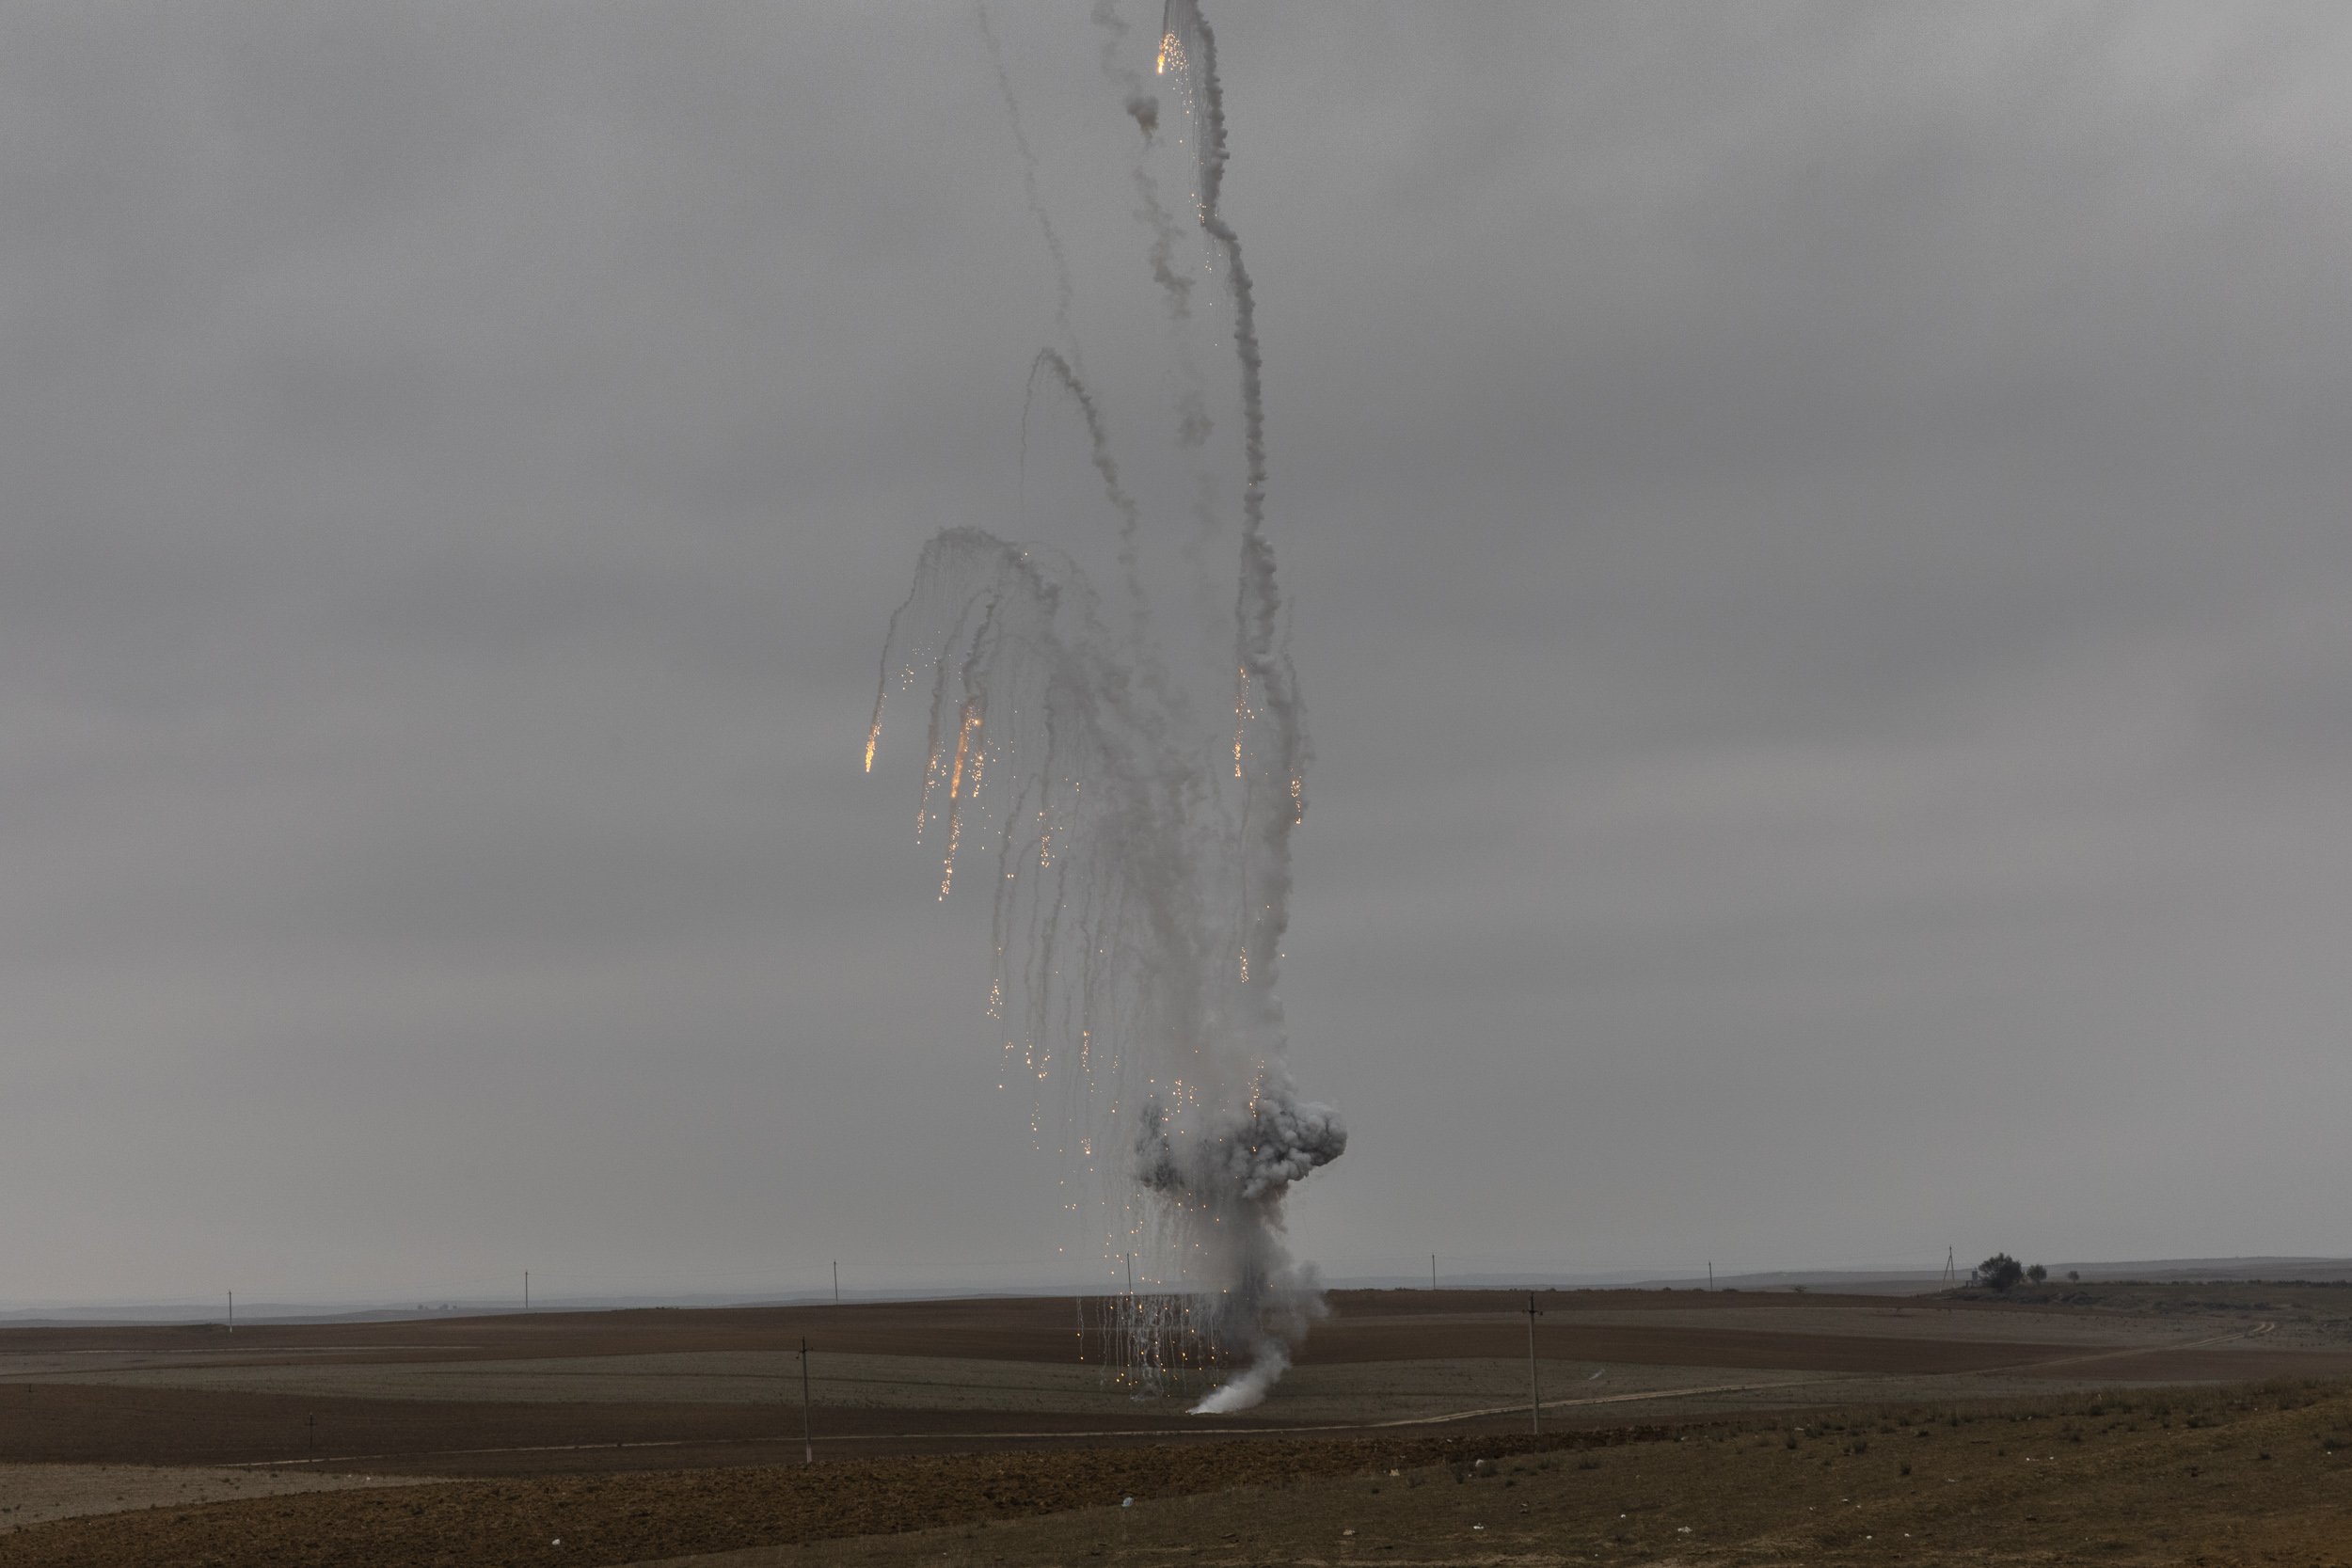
pixel 1063 290
pixel 1105 468
pixel 1098 435
pixel 1142 859
pixel 1143 107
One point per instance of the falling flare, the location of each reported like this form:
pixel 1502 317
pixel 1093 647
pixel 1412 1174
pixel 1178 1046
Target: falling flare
pixel 1142 896
pixel 1241 715
pixel 965 732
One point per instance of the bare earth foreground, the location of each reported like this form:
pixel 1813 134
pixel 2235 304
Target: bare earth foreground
pixel 2115 1424
pixel 36 1494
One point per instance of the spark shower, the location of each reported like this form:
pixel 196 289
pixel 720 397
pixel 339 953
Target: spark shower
pixel 1124 771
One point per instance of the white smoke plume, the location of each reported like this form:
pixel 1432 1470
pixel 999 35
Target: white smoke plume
pixel 1136 841
pixel 1249 1387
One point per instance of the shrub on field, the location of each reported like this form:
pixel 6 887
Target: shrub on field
pixel 2000 1272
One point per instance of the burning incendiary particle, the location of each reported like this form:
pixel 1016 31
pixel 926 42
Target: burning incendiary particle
pixel 1143 856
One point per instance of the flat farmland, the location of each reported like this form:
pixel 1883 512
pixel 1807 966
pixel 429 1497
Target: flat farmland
pixel 36 1494
pixel 662 1433
pixel 527 1394
pixel 2229 1475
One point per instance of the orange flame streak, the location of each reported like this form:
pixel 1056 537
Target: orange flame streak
pixel 965 732
pixel 1241 713
pixel 948 867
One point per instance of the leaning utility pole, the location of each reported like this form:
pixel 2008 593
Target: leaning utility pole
pixel 1131 1277
pixel 1535 1395
pixel 808 1443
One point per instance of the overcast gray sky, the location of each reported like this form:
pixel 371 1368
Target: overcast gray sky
pixel 1823 596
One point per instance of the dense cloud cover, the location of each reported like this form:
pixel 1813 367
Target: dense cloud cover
pixel 1821 582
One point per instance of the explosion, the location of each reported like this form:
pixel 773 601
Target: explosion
pixel 1141 848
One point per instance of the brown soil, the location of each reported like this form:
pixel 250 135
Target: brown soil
pixel 619 1519
pixel 37 1494
pixel 2216 1478
pixel 2259 1475
pixel 1756 1350
pixel 1365 1325
pixel 158 1425
pixel 2205 1364
pixel 90 1423
pixel 1030 1328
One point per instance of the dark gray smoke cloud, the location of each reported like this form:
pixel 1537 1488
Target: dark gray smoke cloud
pixel 1254 1155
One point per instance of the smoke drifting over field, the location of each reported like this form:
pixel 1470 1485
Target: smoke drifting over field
pixel 1136 841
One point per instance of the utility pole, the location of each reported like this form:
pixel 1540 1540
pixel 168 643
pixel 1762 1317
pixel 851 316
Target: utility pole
pixel 1131 1277
pixel 1710 1273
pixel 1952 1271
pixel 525 1290
pixel 837 1284
pixel 1535 1395
pixel 233 1311
pixel 808 1443
pixel 1433 1271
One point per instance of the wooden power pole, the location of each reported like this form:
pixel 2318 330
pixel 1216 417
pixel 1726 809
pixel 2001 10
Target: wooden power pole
pixel 1534 1394
pixel 808 1442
